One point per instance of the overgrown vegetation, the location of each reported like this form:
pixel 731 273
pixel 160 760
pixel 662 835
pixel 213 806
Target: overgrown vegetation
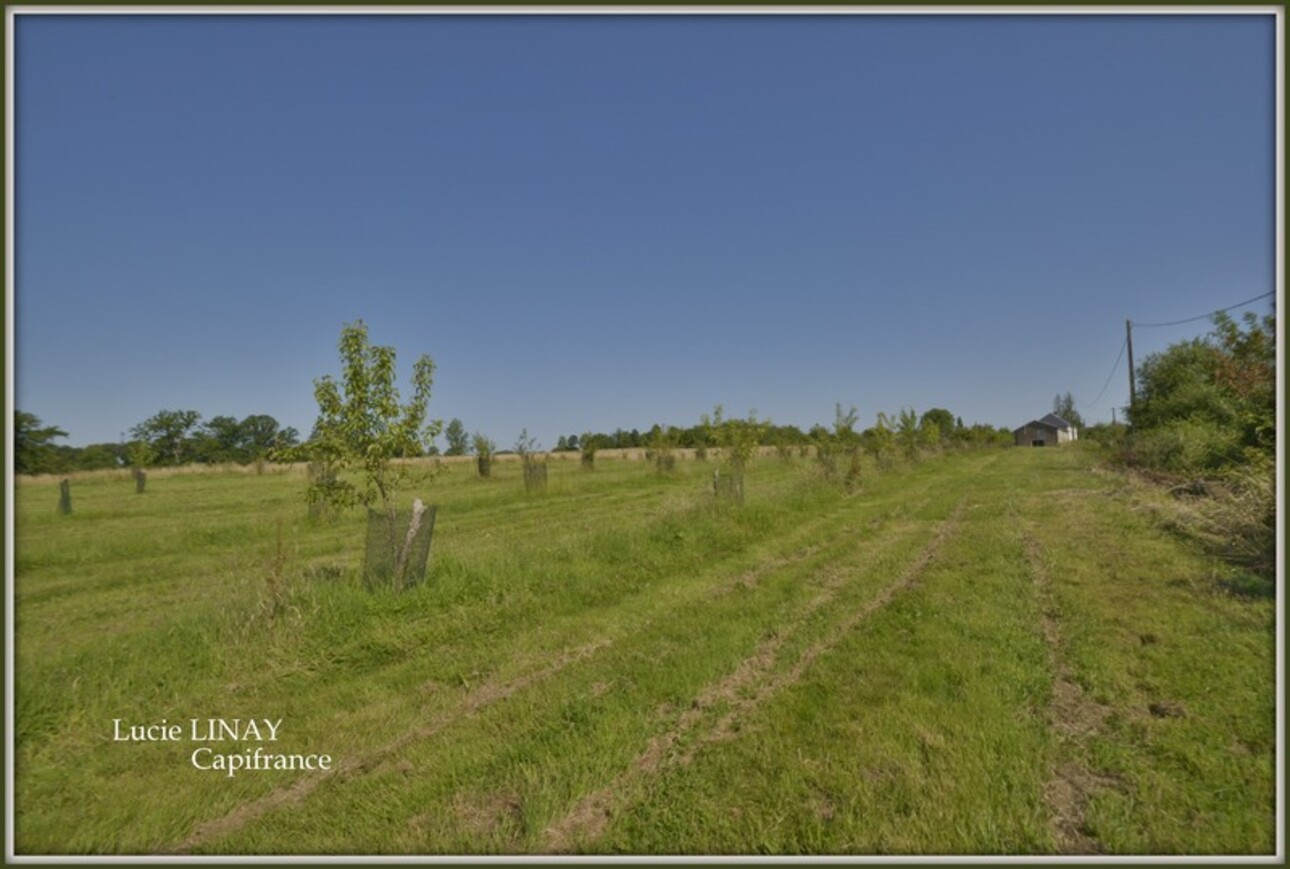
pixel 1205 425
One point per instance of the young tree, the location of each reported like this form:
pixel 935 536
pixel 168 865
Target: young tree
pixel 458 440
pixel 588 444
pixel 907 433
pixel 525 445
pixel 844 429
pixel 484 449
pixel 362 426
pixel 662 441
pixel 842 440
pixel 534 470
pixel 880 440
pixel 738 440
pixel 929 435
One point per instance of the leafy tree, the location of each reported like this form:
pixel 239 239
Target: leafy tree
pixel 220 440
pixel 260 434
pixel 225 439
pixel 662 441
pixel 737 438
pixel 1203 404
pixel 167 437
pixel 841 440
pixel 483 447
pixel 588 445
pixel 907 433
pixel 33 451
pixel 1064 406
pixel 1246 371
pixel 943 421
pixel 880 440
pixel 286 439
pixel 844 425
pixel 363 426
pixel 929 435
pixel 458 440
pixel 97 457
pixel 139 454
pixel 1206 408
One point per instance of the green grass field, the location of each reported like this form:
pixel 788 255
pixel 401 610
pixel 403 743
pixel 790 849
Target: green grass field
pixel 982 653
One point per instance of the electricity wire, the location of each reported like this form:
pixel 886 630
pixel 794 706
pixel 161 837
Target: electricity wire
pixel 1114 368
pixel 1202 316
pixel 1124 344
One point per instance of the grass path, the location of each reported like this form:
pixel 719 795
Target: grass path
pixel 983 653
pixel 714 713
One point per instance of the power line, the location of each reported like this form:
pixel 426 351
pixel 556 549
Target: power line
pixel 1114 368
pixel 1203 316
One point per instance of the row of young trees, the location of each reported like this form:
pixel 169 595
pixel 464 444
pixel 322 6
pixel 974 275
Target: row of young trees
pixel 362 423
pixel 942 429
pixel 179 437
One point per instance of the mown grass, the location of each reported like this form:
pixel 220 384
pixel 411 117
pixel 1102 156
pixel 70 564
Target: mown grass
pixel 621 664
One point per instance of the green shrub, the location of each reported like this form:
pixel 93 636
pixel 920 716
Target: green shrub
pixel 1189 446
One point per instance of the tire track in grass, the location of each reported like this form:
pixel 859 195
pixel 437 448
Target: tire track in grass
pixel 740 693
pixel 494 691
pixel 475 702
pixel 1073 717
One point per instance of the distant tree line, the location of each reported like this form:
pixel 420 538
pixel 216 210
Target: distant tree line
pixel 181 437
pixel 168 438
pixel 949 430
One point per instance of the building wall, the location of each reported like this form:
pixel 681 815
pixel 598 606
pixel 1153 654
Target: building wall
pixel 1028 434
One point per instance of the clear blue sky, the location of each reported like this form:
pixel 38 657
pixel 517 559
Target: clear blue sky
pixel 592 222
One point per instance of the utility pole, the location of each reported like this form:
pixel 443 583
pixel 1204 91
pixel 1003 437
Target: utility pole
pixel 1133 389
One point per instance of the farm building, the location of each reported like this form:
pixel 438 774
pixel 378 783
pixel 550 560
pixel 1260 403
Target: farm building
pixel 1047 432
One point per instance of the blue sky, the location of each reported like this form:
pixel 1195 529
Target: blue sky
pixel 593 222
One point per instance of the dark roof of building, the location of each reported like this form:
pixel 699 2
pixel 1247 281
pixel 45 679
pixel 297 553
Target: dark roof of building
pixel 1052 421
